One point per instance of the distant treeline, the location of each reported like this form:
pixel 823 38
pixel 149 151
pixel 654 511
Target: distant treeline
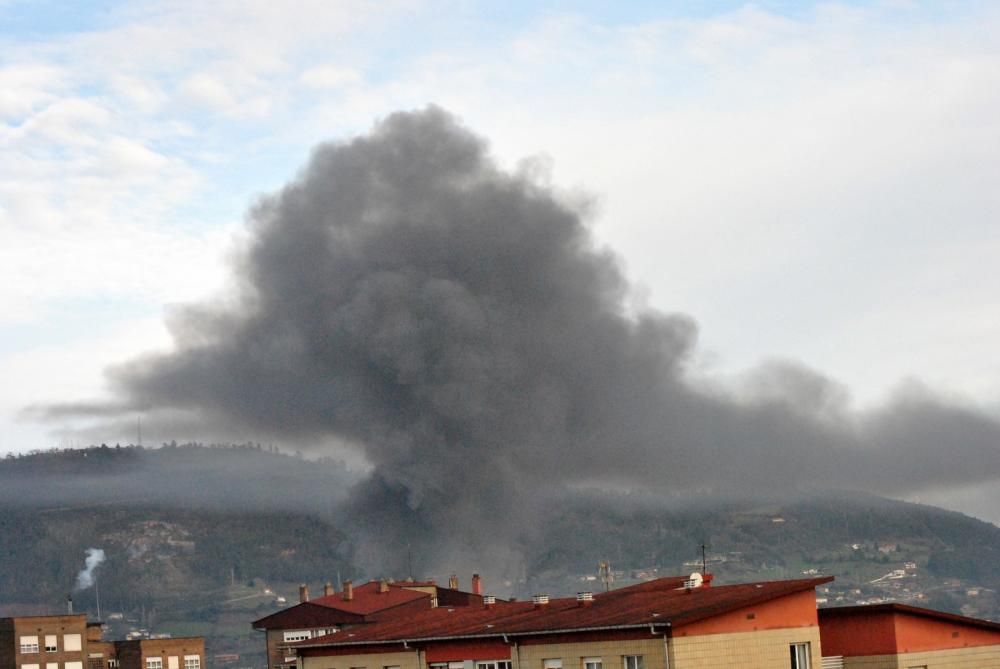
pixel 105 453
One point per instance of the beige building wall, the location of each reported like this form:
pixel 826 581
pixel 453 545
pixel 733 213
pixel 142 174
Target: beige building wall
pixel 980 657
pixel 871 662
pixel 763 649
pixel 610 652
pixel 403 660
pixel 275 651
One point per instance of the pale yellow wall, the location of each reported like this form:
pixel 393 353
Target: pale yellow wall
pixel 764 649
pixel 767 649
pixel 404 660
pixel 610 652
pixel 872 662
pixel 982 657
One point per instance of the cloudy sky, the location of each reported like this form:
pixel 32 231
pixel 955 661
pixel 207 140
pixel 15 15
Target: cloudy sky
pixel 813 182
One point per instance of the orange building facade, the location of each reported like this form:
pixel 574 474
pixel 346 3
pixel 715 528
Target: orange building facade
pixel 897 636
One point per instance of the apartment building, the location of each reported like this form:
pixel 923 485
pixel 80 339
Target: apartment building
pixel 354 606
pixel 898 636
pixel 70 642
pixel 667 623
pixel 44 642
pixel 177 653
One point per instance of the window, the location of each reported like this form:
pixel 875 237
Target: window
pixel 493 664
pixel 29 666
pixel 592 663
pixel 55 665
pixel 73 665
pixel 291 636
pixel 154 663
pixel 50 643
pixel 173 662
pixel 552 664
pixel 394 666
pixel 92 663
pixel 634 662
pixel 71 642
pixel 192 662
pixel 29 644
pixel 799 653
pixel 112 664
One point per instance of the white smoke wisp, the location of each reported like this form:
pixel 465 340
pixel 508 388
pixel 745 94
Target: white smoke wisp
pixel 85 579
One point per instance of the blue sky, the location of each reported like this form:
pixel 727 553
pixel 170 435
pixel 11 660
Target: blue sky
pixel 809 181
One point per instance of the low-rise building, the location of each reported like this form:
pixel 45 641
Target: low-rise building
pixel 175 653
pixel 44 642
pixel 353 606
pixel 898 636
pixel 667 623
pixel 70 642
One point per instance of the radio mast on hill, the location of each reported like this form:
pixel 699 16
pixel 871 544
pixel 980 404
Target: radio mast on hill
pixel 607 576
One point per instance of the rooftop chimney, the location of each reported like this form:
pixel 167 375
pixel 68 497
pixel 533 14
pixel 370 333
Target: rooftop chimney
pixel 540 601
pixel 453 582
pixel 383 586
pixel 348 591
pixel 489 601
pixel 327 589
pixel 69 604
pixel 477 585
pixel 584 598
pixel 303 593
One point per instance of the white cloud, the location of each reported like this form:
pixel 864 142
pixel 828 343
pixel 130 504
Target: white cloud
pixel 207 91
pixel 329 76
pixel 145 96
pixel 25 87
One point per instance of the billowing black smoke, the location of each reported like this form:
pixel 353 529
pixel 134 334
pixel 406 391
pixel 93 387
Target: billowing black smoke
pixel 457 324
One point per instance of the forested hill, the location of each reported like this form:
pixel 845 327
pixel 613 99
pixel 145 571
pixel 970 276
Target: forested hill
pixel 219 476
pixel 203 540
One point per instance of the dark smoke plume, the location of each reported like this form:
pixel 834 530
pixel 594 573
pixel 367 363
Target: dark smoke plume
pixel 458 325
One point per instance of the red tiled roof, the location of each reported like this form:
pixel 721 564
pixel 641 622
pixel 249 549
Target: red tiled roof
pixel 895 607
pixel 367 599
pixel 660 603
pixel 333 609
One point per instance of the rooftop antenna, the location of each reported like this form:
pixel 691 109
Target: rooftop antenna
pixel 97 593
pixel 703 560
pixel 409 561
pixel 604 569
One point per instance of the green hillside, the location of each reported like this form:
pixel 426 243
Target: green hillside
pixel 203 540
